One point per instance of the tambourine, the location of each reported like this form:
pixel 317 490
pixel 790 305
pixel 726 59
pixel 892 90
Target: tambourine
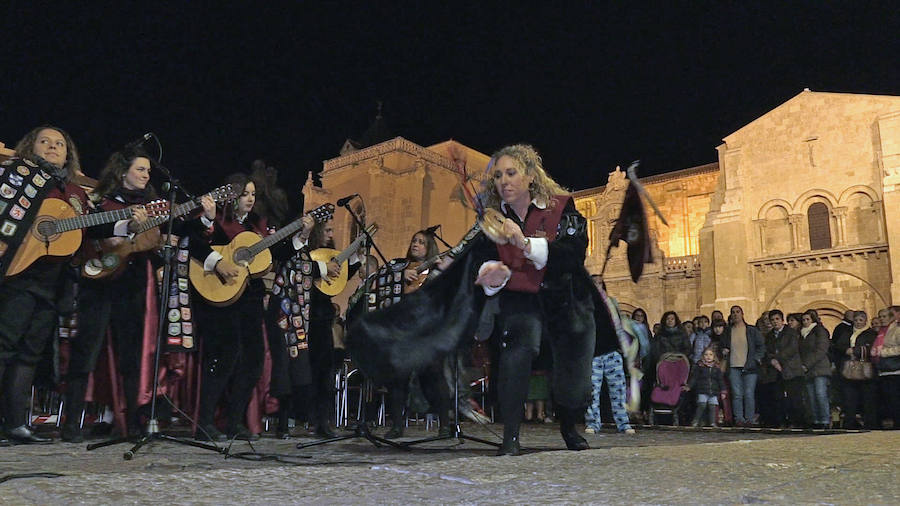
pixel 492 225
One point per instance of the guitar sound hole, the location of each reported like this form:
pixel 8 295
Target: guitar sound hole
pixel 46 228
pixel 242 256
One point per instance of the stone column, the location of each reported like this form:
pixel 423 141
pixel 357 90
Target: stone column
pixel 761 227
pixel 795 220
pixel 840 226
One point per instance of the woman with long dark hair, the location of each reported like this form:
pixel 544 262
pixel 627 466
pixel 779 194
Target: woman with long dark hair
pixel 118 303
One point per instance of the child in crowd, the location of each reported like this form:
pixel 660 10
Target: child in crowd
pixel 707 381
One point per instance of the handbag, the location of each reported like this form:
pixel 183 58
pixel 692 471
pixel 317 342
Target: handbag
pixel 858 370
pixel 888 364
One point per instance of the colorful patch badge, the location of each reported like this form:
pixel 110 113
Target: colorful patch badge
pixel 21 169
pixel 25 203
pixel 17 213
pixel 30 191
pixel 185 313
pixel 276 290
pixel 39 181
pixel 173 301
pixel 183 284
pixel 297 322
pixel 174 315
pixel 282 322
pixel 293 351
pixel 7 191
pixel 174 329
pixel 187 342
pixel 16 180
pixel 182 270
pixel 182 255
pixel 3 206
pixel 187 328
pixel 30 163
pixel 183 299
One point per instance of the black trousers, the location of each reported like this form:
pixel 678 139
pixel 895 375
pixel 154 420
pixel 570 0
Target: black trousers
pixel 434 386
pixel 865 392
pixel 233 355
pixel 789 402
pixel 521 324
pixel 118 306
pixel 321 359
pixel 27 324
pixel 890 395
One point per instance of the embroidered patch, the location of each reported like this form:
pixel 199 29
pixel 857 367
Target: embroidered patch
pixel 174 329
pixel 173 301
pixel 187 328
pixel 174 315
pixel 30 191
pixel 279 280
pixel 286 306
pixel 3 248
pixel 182 255
pixel 8 228
pixel 183 284
pixel 187 341
pixel 39 181
pixel 283 322
pixel 25 203
pixel 185 313
pixel 7 191
pixel 183 299
pixel 16 180
pixel 306 268
pixel 30 163
pixel 276 290
pixel 297 322
pixel 16 213
pixel 295 308
pixel 21 169
pixel 293 351
pixel 3 206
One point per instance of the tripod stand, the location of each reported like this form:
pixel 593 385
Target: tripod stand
pixel 153 433
pixel 455 431
pixel 362 428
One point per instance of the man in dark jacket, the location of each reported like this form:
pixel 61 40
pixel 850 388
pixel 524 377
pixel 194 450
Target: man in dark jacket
pixel 783 355
pixel 743 345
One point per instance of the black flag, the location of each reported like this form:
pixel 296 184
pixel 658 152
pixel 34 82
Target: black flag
pixel 631 227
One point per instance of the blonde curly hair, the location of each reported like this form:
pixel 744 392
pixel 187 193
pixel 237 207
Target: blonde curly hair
pixel 542 189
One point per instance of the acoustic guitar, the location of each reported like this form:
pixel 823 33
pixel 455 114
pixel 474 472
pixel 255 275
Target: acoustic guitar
pixel 108 257
pixel 250 253
pixel 336 285
pixel 56 230
pixel 421 275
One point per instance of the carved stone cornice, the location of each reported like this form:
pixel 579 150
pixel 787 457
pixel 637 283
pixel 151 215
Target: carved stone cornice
pixel 379 150
pixel 818 257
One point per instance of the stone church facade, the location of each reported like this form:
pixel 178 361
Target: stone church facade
pixel 800 211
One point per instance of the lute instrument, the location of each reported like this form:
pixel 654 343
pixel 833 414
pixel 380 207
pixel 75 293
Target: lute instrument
pixel 108 257
pixel 56 230
pixel 250 254
pixel 336 285
pixel 421 275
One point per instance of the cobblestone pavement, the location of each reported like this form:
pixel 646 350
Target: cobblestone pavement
pixel 654 466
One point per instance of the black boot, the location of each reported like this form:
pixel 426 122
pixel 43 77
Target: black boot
pixel 210 393
pixel 697 421
pixel 510 440
pixel 75 392
pixel 573 440
pixel 18 397
pixel 132 419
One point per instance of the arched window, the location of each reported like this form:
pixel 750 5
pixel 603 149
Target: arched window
pixel 819 229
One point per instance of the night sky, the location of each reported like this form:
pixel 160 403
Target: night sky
pixel 590 84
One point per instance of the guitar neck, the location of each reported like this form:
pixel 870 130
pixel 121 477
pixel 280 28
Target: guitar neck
pixel 348 252
pixel 92 220
pixel 283 232
pixel 428 264
pixel 180 210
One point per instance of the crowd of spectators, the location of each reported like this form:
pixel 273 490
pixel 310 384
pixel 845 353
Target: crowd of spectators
pixel 784 371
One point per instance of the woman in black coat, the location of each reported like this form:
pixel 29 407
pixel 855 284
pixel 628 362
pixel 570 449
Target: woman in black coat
pixel 858 344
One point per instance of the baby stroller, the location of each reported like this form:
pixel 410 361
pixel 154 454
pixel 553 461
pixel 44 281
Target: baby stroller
pixel 672 372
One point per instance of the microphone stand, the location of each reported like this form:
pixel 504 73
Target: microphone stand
pixel 439 238
pixel 362 427
pixel 153 433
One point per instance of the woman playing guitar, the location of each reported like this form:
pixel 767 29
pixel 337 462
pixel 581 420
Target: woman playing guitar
pixel 119 303
pixel 233 349
pixel 31 301
pixel 422 251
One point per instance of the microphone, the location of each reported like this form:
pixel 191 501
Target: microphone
pixel 343 202
pixel 431 230
pixel 140 140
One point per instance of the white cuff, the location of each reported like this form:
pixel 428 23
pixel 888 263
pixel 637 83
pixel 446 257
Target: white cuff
pixel 354 259
pixel 120 229
pixel 210 263
pixel 323 268
pixel 539 252
pixel 492 290
pixel 206 221
pixel 297 242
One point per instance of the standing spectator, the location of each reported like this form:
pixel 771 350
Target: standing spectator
pixel 672 337
pixel 689 329
pixel 707 382
pixel 743 345
pixel 840 331
pixel 701 338
pixel 814 344
pixel 888 366
pixel 717 315
pixel 639 316
pixel 857 344
pixel 783 354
